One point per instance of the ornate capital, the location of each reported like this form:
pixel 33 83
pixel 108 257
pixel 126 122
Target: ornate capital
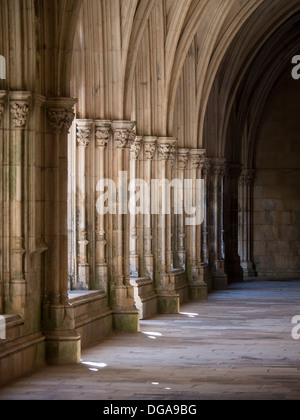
pixel 183 157
pixel 218 167
pixel 247 177
pixel 166 147
pixel 19 107
pixel 124 133
pixel 61 114
pixel 136 148
pixel 197 158
pixel 172 157
pixel 206 167
pixel 19 112
pixel 83 132
pixel 150 147
pixel 102 133
pixel 164 151
pixel 61 120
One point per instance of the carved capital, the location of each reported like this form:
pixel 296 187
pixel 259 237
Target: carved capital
pixel 172 157
pixel 166 148
pixel 150 147
pixel 164 151
pixel 136 148
pixel 247 177
pixel 102 133
pixel 19 112
pixel 60 114
pixel 183 157
pixel 197 157
pixel 206 167
pixel 124 133
pixel 61 120
pixel 83 132
pixel 218 167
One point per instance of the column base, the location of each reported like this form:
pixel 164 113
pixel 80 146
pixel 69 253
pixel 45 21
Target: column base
pixel 198 292
pixel 126 321
pixel 248 270
pixel 63 348
pixel 219 282
pixel 17 297
pixel 63 343
pixel 168 303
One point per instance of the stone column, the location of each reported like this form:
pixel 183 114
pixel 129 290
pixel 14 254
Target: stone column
pixel 170 219
pixel 216 213
pixel 3 199
pixel 83 136
pixel 198 288
pixel 245 186
pixel 19 109
pixel 103 136
pixel 183 156
pixel 149 152
pixel 232 260
pixel 134 256
pixel 62 341
pixel 168 299
pixel 205 227
pixel 126 317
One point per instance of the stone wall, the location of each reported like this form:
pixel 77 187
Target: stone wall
pixel 276 198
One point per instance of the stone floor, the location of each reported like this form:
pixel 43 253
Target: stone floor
pixel 237 345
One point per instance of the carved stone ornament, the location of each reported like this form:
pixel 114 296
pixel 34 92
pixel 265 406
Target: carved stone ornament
pixel 61 120
pixel 102 136
pixel 83 136
pixel 19 112
pixel 183 159
pixel 247 177
pixel 149 150
pixel 206 167
pixel 172 158
pixel 135 149
pixel 219 168
pixel 164 151
pixel 121 137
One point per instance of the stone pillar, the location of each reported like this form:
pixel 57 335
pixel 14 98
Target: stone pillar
pixel 19 110
pixel 170 218
pixel 183 156
pixel 245 186
pixel 205 226
pixel 149 152
pixel 168 299
pixel 103 136
pixel 134 256
pixel 63 345
pixel 198 288
pixel 3 199
pixel 232 259
pixel 83 137
pixel 216 215
pixel 126 317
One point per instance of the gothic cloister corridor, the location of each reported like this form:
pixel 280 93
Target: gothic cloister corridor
pixel 237 345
